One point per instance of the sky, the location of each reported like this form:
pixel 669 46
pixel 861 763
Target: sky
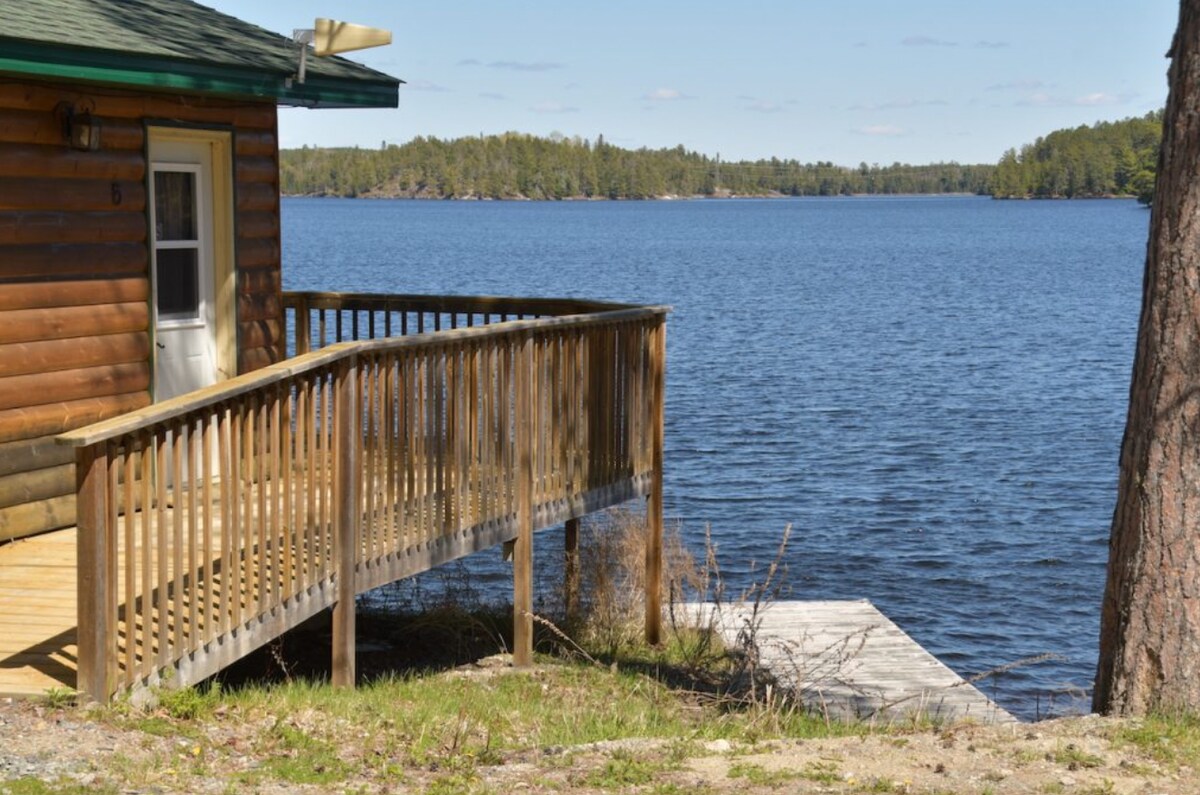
pixel 847 81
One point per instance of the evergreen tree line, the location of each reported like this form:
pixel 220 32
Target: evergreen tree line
pixel 1113 158
pixel 1106 159
pixel 516 165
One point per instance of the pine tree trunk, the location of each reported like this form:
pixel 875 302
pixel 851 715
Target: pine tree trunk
pixel 1150 622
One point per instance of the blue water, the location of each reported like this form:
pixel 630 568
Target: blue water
pixel 931 391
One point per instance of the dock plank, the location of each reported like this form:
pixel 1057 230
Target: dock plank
pixel 847 658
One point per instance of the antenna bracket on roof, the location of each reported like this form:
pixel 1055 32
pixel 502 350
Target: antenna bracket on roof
pixel 330 36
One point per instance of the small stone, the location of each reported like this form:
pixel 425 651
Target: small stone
pixel 719 747
pixel 1067 781
pixel 144 699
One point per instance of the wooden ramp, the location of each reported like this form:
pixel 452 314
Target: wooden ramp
pixel 849 659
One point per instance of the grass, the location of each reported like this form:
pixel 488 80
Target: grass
pixel 274 720
pixel 33 786
pixel 759 776
pixel 423 724
pixel 1074 758
pixel 625 769
pixel 1170 738
pixel 455 724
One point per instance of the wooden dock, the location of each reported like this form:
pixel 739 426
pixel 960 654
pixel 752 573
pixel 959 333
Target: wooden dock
pixel 848 659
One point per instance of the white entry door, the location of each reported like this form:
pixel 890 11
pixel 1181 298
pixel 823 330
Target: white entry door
pixel 182 267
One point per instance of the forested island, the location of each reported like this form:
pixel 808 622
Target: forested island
pixel 519 166
pixel 1106 159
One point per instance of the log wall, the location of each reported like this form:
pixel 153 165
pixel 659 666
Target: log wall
pixel 74 274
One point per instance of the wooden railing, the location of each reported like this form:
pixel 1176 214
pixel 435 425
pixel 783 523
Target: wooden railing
pixel 315 320
pixel 211 523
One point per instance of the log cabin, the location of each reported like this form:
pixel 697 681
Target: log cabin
pixel 192 460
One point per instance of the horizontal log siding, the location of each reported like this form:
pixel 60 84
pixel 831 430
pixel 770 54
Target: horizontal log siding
pixel 257 249
pixel 74 274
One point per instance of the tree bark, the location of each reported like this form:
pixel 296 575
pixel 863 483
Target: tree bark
pixel 1150 620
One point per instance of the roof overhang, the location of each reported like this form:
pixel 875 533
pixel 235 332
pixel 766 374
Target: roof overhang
pixel 22 57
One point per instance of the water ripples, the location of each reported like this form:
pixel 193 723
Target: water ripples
pixel 930 390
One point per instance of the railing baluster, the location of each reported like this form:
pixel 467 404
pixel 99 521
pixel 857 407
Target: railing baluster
pixel 226 445
pixel 177 501
pixel 392 442
pixel 286 500
pixel 370 428
pixel 237 510
pixel 130 537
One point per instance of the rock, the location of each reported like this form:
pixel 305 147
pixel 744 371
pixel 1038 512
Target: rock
pixel 144 699
pixel 719 747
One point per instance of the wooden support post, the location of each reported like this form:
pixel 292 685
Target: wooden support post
pixel 654 505
pixel 523 549
pixel 348 512
pixel 303 331
pixel 571 570
pixel 97 580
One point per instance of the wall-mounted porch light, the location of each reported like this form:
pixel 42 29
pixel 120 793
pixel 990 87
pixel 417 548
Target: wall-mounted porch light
pixel 81 129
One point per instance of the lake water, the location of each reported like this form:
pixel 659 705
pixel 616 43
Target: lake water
pixel 930 390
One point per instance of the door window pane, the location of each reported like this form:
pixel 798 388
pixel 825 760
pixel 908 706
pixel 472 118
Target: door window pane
pixel 177 283
pixel 174 205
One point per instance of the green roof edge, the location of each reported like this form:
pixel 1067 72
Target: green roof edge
pixel 165 73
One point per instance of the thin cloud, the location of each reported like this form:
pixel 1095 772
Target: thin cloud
pixel 526 66
pixel 469 62
pixel 900 104
pixel 1024 84
pixel 1041 99
pixel 764 106
pixel 1098 98
pixel 553 107
pixel 882 130
pixel 491 95
pixel 992 45
pixel 926 41
pixel 860 44
pixel 665 95
pixel 425 85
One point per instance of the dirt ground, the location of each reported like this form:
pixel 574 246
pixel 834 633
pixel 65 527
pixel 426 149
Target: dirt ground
pixel 71 753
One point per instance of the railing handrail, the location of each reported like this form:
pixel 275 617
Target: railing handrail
pixel 212 396
pixel 478 304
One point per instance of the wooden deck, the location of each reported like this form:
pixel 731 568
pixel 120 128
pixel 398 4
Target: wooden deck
pixel 849 659
pixel 37 624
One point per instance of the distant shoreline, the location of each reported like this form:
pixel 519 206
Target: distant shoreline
pixel 698 197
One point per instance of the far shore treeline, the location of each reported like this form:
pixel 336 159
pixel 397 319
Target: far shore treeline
pixel 1105 159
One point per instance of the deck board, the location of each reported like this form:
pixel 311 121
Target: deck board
pixel 37 624
pixel 848 658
